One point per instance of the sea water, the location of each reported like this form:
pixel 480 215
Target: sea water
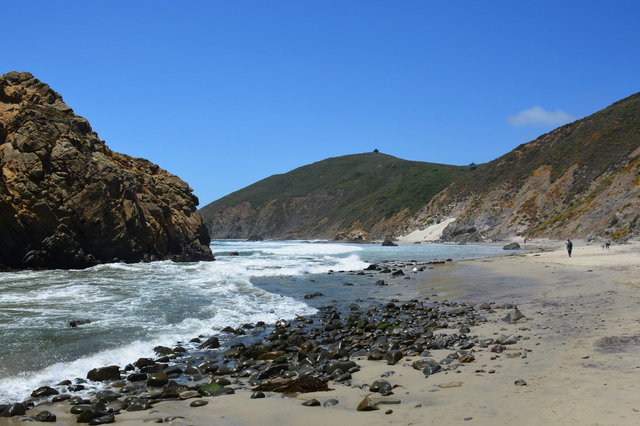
pixel 131 308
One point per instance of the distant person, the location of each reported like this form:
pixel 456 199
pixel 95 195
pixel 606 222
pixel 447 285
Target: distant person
pixel 607 244
pixel 569 246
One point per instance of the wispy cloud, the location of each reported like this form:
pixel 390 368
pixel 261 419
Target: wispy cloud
pixel 538 116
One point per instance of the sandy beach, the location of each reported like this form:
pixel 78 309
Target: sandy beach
pixel 577 351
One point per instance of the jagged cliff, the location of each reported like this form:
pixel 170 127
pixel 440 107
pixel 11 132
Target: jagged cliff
pixel 353 197
pixel 580 180
pixel 68 201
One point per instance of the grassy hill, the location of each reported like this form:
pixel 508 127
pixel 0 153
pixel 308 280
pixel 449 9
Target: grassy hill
pixel 581 179
pixel 370 192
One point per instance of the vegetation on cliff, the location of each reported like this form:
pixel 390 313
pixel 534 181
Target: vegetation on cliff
pixel 356 196
pixel 580 179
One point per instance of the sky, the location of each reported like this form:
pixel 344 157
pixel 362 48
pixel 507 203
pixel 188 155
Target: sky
pixel 225 93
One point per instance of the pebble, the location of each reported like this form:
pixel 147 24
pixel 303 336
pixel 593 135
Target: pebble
pixel 199 403
pixel 330 402
pixel 520 382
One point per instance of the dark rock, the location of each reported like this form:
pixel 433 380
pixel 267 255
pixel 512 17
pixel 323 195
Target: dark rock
pixel 17 409
pixel 512 246
pixel 45 417
pixel 137 377
pixel 393 357
pixel 89 414
pixel 255 238
pixel 301 385
pixel 257 395
pixel 520 382
pixel 381 282
pixel 111 372
pixel 157 380
pixel 311 403
pixel 44 391
pixel 76 323
pixel 311 296
pixel 388 243
pixel 381 386
pixel 371 267
pixel 212 342
pixel 397 273
pixel 198 403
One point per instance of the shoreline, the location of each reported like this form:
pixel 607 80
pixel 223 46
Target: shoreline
pixel 576 351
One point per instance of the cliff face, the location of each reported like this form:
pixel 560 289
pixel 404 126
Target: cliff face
pixel 353 197
pixel 68 201
pixel 580 180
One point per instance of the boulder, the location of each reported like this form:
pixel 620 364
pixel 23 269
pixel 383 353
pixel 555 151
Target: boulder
pixel 388 243
pixel 511 246
pixel 111 372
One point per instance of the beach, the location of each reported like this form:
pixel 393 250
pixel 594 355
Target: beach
pixel 575 360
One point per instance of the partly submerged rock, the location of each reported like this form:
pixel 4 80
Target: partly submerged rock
pixel 68 201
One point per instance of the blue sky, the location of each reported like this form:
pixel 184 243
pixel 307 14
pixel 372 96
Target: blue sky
pixel 226 93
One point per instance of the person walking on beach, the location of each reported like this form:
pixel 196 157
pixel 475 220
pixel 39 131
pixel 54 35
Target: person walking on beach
pixel 569 246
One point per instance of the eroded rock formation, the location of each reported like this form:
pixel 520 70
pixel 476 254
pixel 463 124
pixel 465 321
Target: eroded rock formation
pixel 68 201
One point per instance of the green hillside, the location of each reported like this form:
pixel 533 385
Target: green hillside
pixel 364 191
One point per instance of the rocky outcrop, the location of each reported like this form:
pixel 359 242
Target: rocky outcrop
pixel 68 201
pixel 580 180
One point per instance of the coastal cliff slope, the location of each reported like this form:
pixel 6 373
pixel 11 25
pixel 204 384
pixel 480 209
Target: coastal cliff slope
pixel 580 180
pixel 353 197
pixel 68 201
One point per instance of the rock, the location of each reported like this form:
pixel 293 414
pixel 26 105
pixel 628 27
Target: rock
pixel 381 283
pixel 330 402
pixel 301 385
pixel 520 382
pixel 68 201
pixel 189 394
pixel 450 385
pixel 44 391
pixel 199 403
pixel 366 405
pixel 393 357
pixel 381 386
pixel 255 238
pixel 212 389
pixel 45 417
pixel 76 323
pixel 511 246
pixel 371 267
pixel 397 273
pixel 257 395
pixel 382 400
pixel 428 366
pixel 111 372
pixel 211 342
pixel 312 295
pixel 311 403
pixel 513 316
pixel 507 340
pixel 89 414
pixel 388 243
pixel 157 380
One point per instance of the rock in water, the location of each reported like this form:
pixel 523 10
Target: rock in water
pixel 511 246
pixel 68 201
pixel 388 243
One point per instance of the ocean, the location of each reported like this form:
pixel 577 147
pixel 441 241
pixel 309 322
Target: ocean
pixel 125 310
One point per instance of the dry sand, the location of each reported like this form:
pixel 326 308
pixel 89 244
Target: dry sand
pixel 579 353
